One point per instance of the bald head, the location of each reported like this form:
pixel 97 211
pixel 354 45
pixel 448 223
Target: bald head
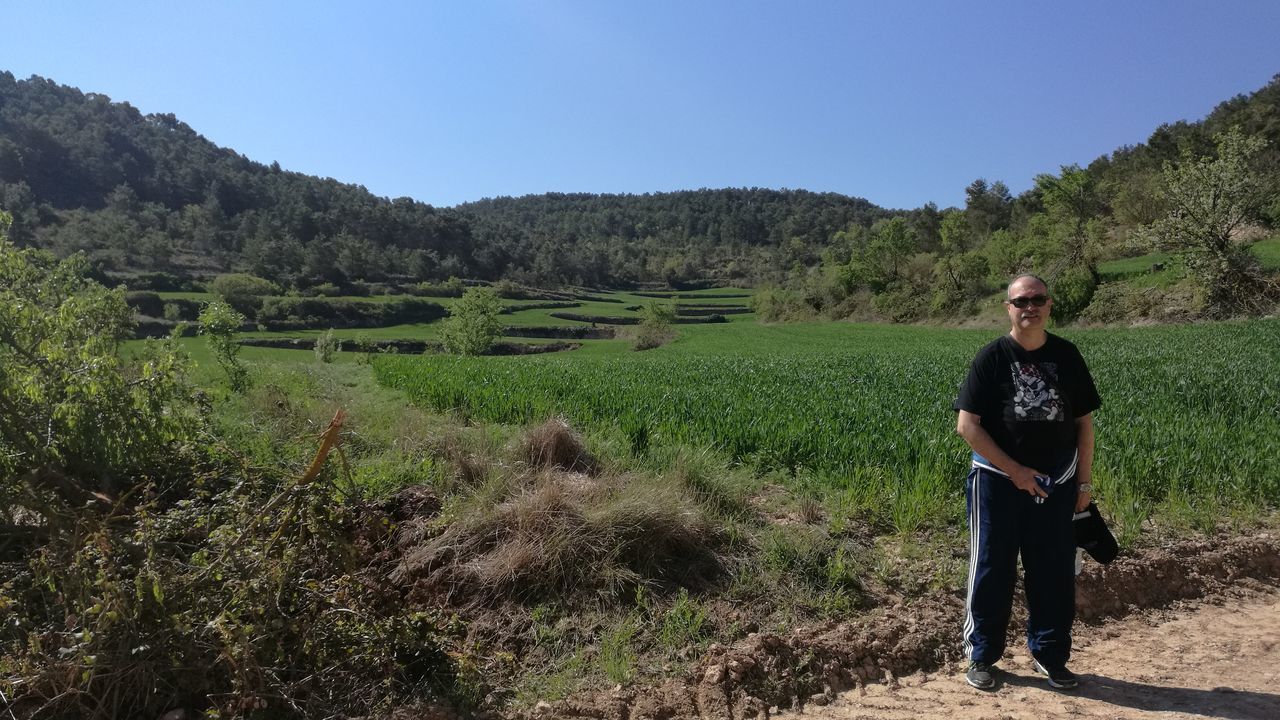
pixel 1028 284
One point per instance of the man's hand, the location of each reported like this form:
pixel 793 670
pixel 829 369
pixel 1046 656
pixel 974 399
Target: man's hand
pixel 1024 478
pixel 1082 500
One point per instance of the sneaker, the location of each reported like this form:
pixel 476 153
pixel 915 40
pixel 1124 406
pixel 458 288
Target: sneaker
pixel 980 675
pixel 1059 677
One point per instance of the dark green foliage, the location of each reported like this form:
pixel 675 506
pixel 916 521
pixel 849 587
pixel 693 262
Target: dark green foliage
pixel 82 172
pixel 243 292
pixel 297 313
pixel 145 303
pixel 960 280
pixel 673 237
pixel 152 203
pixel 1072 292
pixel 154 178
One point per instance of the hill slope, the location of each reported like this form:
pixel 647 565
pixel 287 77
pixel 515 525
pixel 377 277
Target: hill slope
pixel 147 193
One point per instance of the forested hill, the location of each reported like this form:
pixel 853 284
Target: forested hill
pixel 675 236
pixel 143 193
pixel 147 194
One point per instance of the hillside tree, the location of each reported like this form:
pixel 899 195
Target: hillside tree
pixel 1212 198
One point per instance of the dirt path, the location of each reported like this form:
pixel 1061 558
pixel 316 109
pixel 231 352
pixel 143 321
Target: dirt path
pixel 1184 629
pixel 1219 659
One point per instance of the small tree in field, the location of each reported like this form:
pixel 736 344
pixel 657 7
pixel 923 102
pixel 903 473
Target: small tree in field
pixel 472 325
pixel 219 323
pixel 655 326
pixel 326 346
pixel 1210 199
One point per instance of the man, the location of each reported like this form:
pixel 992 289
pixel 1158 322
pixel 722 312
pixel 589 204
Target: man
pixel 1025 409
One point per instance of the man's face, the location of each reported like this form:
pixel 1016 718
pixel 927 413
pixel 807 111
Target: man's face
pixel 1025 292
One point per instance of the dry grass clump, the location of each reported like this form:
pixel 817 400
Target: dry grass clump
pixel 554 444
pixel 558 534
pixel 645 338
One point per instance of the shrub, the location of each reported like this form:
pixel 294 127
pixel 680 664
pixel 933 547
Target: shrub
pixel 145 303
pixel 472 325
pixel 774 304
pixel 76 418
pixel 326 290
pixel 655 326
pixel 297 313
pixel 219 323
pixel 155 574
pixel 243 292
pixel 1210 199
pixel 326 346
pixel 1073 291
pixel 248 600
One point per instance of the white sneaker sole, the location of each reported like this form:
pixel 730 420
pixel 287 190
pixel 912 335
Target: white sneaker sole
pixel 1053 684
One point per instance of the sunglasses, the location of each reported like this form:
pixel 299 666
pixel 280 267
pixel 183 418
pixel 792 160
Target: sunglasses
pixel 1022 303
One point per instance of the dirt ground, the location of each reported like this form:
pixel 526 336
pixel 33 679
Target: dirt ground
pixel 1182 629
pixel 1219 659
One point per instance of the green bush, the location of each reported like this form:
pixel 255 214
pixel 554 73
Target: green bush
pixel 220 323
pixel 298 313
pixel 236 602
pixel 75 418
pixel 655 326
pixel 775 304
pixel 145 303
pixel 153 571
pixel 472 325
pixel 1072 292
pixel 243 292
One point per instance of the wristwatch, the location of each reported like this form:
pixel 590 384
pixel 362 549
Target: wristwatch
pixel 1085 488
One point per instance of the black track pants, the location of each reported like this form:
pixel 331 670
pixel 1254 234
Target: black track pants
pixel 1003 522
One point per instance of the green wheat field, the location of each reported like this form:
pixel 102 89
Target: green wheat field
pixel 1190 416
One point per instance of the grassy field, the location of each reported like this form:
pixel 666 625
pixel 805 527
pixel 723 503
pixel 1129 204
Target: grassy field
pixel 866 409
pixel 1266 251
pixel 817 460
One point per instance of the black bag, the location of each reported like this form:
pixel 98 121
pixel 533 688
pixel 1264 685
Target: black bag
pixel 1093 535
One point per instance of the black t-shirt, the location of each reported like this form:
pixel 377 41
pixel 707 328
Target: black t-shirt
pixel 1029 399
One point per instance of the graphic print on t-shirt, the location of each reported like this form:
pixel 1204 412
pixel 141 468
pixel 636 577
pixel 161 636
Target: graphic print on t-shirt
pixel 1035 392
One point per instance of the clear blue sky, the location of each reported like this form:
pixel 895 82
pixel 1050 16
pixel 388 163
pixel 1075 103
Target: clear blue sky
pixel 898 102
